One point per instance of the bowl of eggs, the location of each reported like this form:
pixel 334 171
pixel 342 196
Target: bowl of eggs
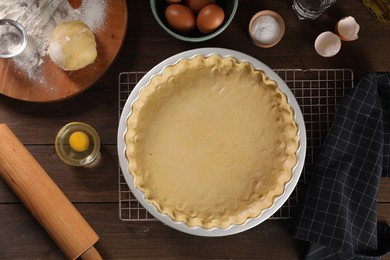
pixel 194 20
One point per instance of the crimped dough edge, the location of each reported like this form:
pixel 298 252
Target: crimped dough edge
pixel 258 201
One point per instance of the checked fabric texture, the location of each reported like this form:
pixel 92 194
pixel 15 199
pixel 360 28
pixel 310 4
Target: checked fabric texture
pixel 337 211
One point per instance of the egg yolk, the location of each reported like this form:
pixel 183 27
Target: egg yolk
pixel 79 141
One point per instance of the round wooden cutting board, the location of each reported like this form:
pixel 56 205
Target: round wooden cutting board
pixel 58 84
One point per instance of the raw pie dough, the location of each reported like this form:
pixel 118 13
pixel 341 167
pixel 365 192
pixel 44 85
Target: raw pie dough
pixel 72 45
pixel 211 142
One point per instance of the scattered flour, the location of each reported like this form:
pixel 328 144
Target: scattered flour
pixel 11 39
pixel 30 61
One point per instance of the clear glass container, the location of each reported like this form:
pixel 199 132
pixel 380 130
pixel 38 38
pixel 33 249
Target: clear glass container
pixel 311 9
pixel 71 156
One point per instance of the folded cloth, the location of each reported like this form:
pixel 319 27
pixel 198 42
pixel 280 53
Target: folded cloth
pixel 336 212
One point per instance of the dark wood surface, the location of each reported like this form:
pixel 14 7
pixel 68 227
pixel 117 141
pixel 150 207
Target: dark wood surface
pixel 94 191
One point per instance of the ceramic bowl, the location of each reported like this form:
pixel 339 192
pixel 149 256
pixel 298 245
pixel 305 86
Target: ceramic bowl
pixel 266 42
pixel 158 9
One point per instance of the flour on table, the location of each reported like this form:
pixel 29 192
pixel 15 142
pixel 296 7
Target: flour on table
pixel 30 61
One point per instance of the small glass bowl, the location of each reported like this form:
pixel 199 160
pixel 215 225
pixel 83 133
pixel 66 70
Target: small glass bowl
pixel 67 154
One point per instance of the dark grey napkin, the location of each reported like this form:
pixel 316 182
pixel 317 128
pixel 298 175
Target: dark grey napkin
pixel 336 212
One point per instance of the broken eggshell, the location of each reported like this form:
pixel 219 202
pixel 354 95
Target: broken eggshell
pixel 327 44
pixel 347 29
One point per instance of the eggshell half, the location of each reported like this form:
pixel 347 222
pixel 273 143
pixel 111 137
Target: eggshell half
pixel 347 28
pixel 327 44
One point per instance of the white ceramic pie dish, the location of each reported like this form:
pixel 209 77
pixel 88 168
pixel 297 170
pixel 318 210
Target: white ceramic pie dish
pixel 233 229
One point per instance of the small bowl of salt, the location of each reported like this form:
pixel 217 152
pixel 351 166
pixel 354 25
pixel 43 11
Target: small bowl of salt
pixel 266 28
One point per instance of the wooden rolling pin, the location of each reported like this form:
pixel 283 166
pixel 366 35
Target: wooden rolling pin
pixel 44 199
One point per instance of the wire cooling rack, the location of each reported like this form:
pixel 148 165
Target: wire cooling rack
pixel 317 91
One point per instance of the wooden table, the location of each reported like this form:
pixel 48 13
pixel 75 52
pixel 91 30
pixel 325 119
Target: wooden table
pixel 94 191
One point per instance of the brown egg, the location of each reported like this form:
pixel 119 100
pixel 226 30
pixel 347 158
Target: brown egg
pixel 173 1
pixel 197 5
pixel 180 17
pixel 210 18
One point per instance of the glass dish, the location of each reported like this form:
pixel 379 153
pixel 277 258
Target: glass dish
pixel 69 155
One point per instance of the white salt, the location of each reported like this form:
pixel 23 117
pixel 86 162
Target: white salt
pixel 265 29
